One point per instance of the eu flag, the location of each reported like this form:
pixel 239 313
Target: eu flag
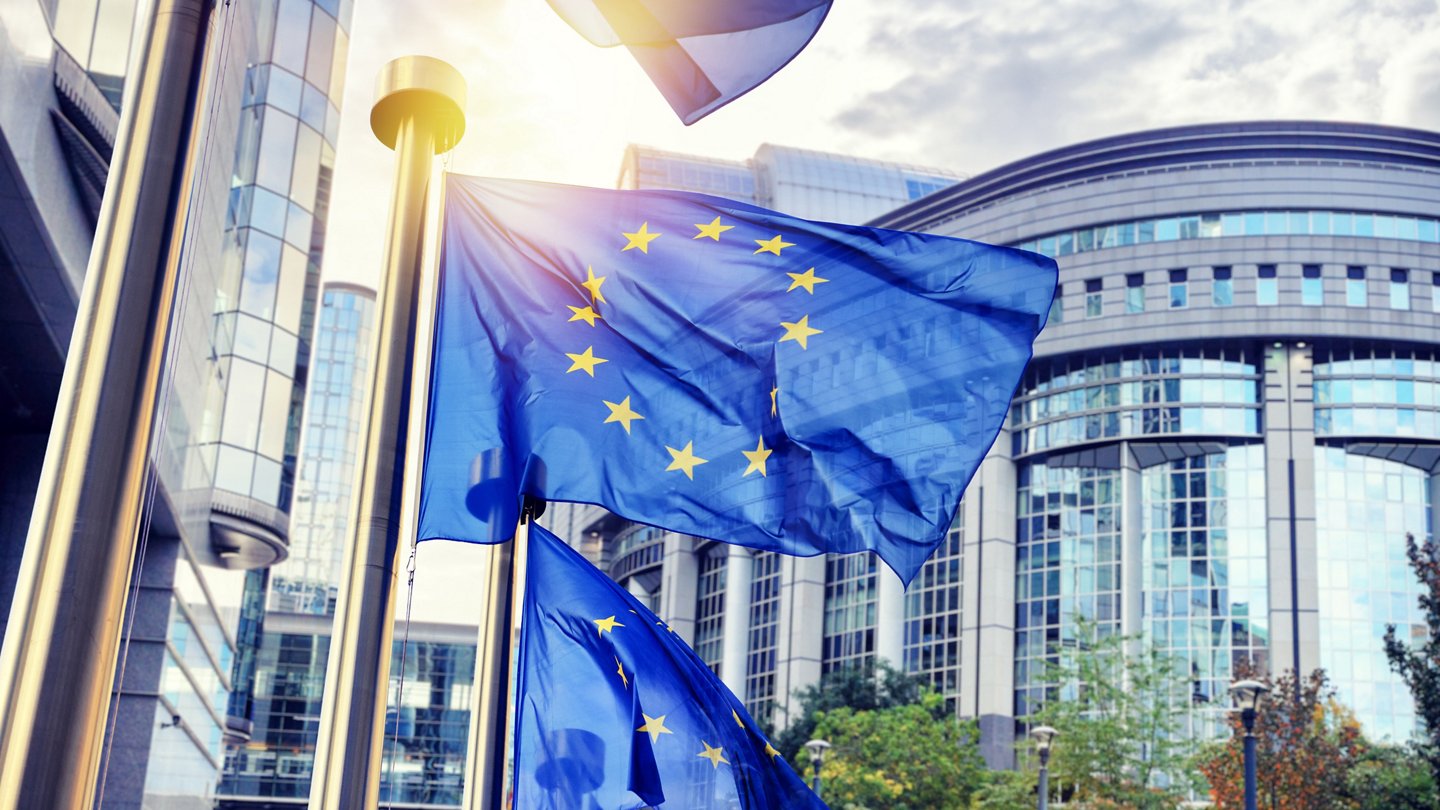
pixel 701 54
pixel 614 711
pixel 716 369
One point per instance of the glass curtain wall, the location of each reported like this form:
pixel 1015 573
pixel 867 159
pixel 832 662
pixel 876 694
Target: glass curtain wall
pixel 933 614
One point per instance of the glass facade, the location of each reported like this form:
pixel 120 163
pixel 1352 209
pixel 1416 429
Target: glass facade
pixel 763 634
pixel 308 581
pixel 1236 223
pixel 1205 592
pixel 1362 390
pixel 1142 393
pixel 710 607
pixel 279 200
pixel 850 602
pixel 96 34
pixel 427 722
pixel 1365 508
pixel 1068 553
pixel 933 614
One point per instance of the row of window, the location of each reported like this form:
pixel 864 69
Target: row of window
pixel 1236 223
pixel 1355 289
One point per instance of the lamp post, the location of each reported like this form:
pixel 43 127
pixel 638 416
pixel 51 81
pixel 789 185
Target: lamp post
pixel 1247 695
pixel 817 750
pixel 1044 736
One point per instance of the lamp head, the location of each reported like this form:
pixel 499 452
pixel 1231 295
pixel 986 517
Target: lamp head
pixel 1247 694
pixel 1044 737
pixel 817 750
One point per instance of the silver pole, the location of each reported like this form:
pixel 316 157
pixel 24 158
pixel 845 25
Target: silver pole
pixel 60 650
pixel 418 112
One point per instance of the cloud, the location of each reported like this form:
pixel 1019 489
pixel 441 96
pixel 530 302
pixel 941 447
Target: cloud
pixel 978 87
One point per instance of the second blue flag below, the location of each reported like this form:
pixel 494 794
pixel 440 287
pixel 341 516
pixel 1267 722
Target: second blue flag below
pixel 716 369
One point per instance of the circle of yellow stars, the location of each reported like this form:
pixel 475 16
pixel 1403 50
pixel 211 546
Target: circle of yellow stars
pixel 685 459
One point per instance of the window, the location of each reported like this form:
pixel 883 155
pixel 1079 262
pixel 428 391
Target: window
pixel 1399 289
pixel 1135 292
pixel 1267 287
pixel 1355 292
pixel 1179 289
pixel 1094 303
pixel 1222 294
pixel 1057 310
pixel 1312 289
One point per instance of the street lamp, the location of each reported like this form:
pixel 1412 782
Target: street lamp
pixel 1044 737
pixel 1247 695
pixel 817 750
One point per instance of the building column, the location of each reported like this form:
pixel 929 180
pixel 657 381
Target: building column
pixel 987 644
pixel 1132 551
pixel 739 568
pixel 1289 415
pixel 889 617
pixel 800 637
pixel 679 576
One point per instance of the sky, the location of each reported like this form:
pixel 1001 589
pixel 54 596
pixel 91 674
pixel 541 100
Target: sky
pixel 965 86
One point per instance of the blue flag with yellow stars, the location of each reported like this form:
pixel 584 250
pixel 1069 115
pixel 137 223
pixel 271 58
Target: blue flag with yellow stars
pixel 701 54
pixel 614 711
pixel 716 369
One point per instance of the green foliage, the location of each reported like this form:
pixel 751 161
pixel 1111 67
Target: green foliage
pixel 1006 790
pixel 904 757
pixel 1419 666
pixel 858 688
pixel 1119 714
pixel 1390 777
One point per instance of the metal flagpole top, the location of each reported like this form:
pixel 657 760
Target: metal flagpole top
pixel 423 88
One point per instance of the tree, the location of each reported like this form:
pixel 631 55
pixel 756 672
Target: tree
pixel 1391 777
pixel 1420 667
pixel 1120 721
pixel 861 688
pixel 1307 744
pixel 898 758
pixel 1006 790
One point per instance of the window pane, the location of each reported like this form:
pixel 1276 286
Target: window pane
pixel 322 43
pixel 1267 292
pixel 1224 293
pixel 283 90
pixel 267 212
pixel 242 403
pixel 262 267
pixel 1355 292
pixel 292 33
pixel 1312 293
pixel 276 413
pixel 1179 296
pixel 277 151
pixel 1399 295
pixel 291 289
pixel 306 172
pixel 233 468
pixel 252 339
pixel 266 487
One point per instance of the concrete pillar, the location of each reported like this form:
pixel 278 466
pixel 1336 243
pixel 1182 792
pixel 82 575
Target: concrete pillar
pixel 738 571
pixel 987 646
pixel 1289 416
pixel 800 637
pixel 889 617
pixel 679 576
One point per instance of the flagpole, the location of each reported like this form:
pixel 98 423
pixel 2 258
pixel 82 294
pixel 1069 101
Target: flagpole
pixel 62 641
pixel 418 112
pixel 499 636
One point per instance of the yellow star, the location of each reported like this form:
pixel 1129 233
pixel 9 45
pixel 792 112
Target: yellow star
pixel 640 239
pixel 587 361
pixel 774 409
pixel 715 755
pixel 772 245
pixel 770 749
pixel 607 624
pixel 620 670
pixel 585 314
pixel 620 412
pixel 592 284
pixel 800 332
pixel 684 460
pixel 757 458
pixel 807 279
pixel 654 726
pixel 713 230
pixel 737 718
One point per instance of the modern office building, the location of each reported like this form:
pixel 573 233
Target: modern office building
pixel 230 413
pixel 431 675
pixel 1231 423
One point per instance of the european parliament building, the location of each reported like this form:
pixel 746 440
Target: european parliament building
pixel 1231 423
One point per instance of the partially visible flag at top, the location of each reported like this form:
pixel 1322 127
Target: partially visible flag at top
pixel 614 711
pixel 716 369
pixel 701 54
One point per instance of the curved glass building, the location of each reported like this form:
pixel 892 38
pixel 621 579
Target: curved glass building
pixel 1230 424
